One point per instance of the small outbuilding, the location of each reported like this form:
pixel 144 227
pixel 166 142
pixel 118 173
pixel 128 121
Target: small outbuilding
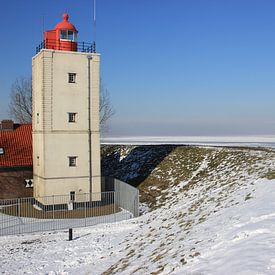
pixel 15 159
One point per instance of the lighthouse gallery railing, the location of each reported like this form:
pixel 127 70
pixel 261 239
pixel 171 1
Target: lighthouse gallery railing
pixel 70 45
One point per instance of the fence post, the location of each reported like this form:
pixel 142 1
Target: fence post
pixel 19 214
pixel 53 207
pixel 18 202
pixel 114 196
pixel 137 204
pixel 85 209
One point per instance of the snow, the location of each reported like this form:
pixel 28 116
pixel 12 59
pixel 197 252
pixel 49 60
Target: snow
pixel 244 237
pixel 237 240
pixel 209 228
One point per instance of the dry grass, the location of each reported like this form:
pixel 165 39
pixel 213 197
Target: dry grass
pixel 270 175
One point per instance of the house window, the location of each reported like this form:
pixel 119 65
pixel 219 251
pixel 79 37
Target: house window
pixel 1 151
pixel 72 195
pixel 72 161
pixel 72 117
pixel 71 77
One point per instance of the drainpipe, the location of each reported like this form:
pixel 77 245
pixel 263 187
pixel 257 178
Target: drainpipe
pixel 89 123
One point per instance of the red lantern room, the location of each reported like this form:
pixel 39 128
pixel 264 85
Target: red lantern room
pixel 63 37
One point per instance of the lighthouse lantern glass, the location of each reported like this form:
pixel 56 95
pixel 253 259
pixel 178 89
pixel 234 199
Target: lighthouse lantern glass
pixel 68 35
pixel 63 34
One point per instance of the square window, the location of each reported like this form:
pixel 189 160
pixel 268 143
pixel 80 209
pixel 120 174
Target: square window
pixel 1 151
pixel 72 117
pixel 71 77
pixel 72 161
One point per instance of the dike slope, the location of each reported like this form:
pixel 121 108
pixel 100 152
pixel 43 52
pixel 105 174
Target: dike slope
pixel 160 171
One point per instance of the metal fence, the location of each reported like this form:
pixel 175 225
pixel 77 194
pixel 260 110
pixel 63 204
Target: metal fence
pixel 57 44
pixel 26 215
pixel 126 196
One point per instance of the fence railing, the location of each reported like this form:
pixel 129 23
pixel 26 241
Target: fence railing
pixel 26 215
pixel 57 44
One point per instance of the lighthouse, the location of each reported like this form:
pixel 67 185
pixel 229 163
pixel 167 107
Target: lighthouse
pixel 66 136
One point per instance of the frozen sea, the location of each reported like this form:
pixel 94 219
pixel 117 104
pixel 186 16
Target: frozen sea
pixel 247 141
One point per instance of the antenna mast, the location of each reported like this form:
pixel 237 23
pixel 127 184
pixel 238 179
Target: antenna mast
pixel 43 25
pixel 94 26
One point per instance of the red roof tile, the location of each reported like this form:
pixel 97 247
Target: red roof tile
pixel 17 146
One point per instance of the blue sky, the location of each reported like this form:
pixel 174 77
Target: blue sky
pixel 178 67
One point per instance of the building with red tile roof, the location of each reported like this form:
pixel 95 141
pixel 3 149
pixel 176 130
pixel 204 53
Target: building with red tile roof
pixel 15 145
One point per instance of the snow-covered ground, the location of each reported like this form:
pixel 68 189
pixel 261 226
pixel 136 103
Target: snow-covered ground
pixel 239 239
pixel 254 141
pixel 220 220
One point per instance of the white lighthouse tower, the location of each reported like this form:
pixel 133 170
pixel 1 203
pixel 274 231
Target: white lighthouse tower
pixel 66 138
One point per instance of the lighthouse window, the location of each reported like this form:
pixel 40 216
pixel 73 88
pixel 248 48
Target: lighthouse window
pixel 72 77
pixel 68 35
pixel 72 117
pixel 72 161
pixel 63 34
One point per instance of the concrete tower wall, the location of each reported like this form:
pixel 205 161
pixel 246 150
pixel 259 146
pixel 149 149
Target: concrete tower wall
pixel 55 139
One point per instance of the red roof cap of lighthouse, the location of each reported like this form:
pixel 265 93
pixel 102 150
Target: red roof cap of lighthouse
pixel 65 25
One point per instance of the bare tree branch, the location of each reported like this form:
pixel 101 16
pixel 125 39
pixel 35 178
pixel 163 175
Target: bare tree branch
pixel 105 108
pixel 20 106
